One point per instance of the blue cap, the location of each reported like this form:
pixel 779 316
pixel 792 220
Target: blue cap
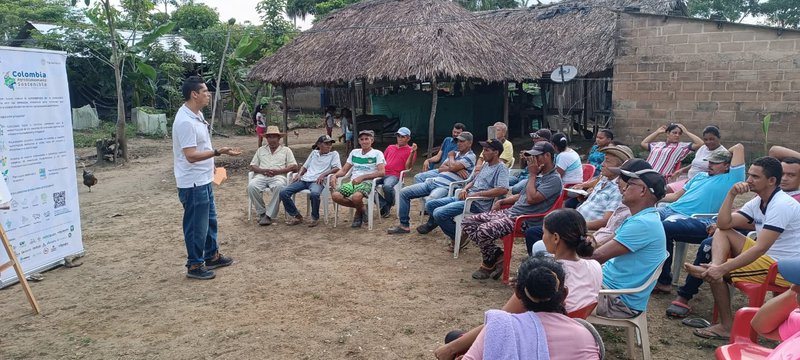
pixel 790 270
pixel 403 131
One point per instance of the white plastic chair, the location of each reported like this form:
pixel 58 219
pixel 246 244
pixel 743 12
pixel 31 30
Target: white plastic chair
pixel 324 196
pixel 467 205
pixel 451 190
pixel 397 188
pixel 250 205
pixel 636 326
pixel 372 202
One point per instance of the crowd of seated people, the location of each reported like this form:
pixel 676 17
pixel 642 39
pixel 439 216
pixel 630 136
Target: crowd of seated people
pixel 620 234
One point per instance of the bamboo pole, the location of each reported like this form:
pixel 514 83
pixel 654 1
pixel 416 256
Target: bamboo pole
pixel 434 100
pixel 285 116
pixel 12 260
pixel 352 92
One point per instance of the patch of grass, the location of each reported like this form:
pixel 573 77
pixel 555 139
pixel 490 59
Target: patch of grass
pixel 311 121
pixel 87 138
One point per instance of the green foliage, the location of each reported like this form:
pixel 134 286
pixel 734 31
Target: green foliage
pixel 300 8
pixel 195 17
pixel 87 138
pixel 782 13
pixel 765 130
pixel 323 8
pixel 13 14
pixel 309 121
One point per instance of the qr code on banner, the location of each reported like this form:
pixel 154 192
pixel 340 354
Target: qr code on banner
pixel 59 199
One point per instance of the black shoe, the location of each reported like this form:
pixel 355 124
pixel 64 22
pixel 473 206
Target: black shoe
pixel 426 228
pixel 385 211
pixel 395 230
pixel 201 273
pixel 357 221
pixel 221 261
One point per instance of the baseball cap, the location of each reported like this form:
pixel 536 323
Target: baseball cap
pixel 540 148
pixel 404 131
pixel 366 132
pixel 326 139
pixel 719 156
pixel 790 270
pixel 621 151
pixel 640 169
pixel 494 144
pixel 465 136
pixel 543 134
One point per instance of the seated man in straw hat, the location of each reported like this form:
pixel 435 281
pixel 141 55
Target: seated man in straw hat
pixel 367 163
pixel 270 164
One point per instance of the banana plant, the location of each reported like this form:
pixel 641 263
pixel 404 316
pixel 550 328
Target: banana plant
pixel 765 130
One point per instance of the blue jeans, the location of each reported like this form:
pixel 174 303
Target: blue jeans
pixel 199 223
pixel 519 187
pixel 679 228
pixel 296 187
pixel 692 285
pixel 428 188
pixel 532 235
pixel 421 177
pixel 388 182
pixel 444 210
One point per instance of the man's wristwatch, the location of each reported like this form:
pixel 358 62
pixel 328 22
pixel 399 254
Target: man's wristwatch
pixel 217 153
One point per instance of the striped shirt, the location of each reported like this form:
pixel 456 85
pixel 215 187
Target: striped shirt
pixel 467 159
pixel 365 163
pixel 665 158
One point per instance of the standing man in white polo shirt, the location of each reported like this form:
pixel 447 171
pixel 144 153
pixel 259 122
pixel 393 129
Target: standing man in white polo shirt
pixel 194 169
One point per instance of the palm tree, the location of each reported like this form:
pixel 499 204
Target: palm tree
pixel 300 9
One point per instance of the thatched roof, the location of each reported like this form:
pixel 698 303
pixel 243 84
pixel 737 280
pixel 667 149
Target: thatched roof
pixel 579 33
pixel 394 40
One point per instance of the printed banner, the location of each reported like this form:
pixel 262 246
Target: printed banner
pixel 37 160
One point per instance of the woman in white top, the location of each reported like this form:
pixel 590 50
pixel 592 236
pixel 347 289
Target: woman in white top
pixel 711 142
pixel 565 236
pixel 568 162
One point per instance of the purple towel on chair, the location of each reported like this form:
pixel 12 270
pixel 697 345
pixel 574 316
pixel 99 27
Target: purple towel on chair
pixel 514 337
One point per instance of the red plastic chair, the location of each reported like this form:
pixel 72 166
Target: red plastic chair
pixel 583 312
pixel 508 240
pixel 757 292
pixel 588 171
pixel 743 342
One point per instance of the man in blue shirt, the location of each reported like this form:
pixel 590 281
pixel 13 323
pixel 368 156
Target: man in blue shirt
pixel 429 166
pixel 703 194
pixel 637 250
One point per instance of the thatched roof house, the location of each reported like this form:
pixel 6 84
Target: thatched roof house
pixel 580 33
pixel 396 40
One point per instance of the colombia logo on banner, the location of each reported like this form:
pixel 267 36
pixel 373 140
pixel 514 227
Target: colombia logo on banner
pixel 25 79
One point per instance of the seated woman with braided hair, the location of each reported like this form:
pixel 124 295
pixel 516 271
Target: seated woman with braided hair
pixel 564 237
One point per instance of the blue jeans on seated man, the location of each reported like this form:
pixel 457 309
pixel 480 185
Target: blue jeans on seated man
pixel 443 212
pixel 421 177
pixel 532 236
pixel 296 187
pixel 679 227
pixel 428 188
pixel 388 182
pixel 199 223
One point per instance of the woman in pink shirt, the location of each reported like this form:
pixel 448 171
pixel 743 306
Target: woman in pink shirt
pixel 779 318
pixel 564 237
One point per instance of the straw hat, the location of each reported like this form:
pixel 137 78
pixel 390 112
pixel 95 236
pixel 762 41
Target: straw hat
pixel 273 130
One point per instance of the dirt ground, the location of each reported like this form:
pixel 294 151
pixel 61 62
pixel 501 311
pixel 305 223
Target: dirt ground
pixel 293 293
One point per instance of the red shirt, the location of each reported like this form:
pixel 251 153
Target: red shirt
pixel 396 159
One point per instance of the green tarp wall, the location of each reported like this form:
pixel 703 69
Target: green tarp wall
pixel 477 111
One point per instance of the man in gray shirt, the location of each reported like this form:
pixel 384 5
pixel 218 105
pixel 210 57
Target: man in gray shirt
pixel 541 192
pixel 491 182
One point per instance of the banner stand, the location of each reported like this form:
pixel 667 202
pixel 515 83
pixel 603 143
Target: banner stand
pixel 18 269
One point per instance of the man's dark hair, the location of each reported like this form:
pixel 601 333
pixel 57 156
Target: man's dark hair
pixel 191 84
pixel 459 126
pixel 771 168
pixel 713 130
pixel 791 160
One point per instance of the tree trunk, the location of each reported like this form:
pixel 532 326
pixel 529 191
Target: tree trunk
pixel 434 100
pixel 122 141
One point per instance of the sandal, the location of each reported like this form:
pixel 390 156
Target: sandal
pixel 707 333
pixel 485 272
pixel 659 291
pixel 678 310
pixel 461 247
pixel 699 323
pixel 397 230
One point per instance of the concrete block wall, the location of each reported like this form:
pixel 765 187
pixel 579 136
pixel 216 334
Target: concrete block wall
pixel 698 72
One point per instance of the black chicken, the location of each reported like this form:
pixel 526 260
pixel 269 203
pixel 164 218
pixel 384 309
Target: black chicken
pixel 89 179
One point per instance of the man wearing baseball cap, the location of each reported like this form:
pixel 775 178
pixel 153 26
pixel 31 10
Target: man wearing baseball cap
pixel 542 190
pixel 322 161
pixel 430 165
pixel 776 217
pixel 779 318
pixel 638 247
pixel 490 183
pixel 518 182
pixel 399 157
pixel 367 163
pixel 458 166
pixel 703 194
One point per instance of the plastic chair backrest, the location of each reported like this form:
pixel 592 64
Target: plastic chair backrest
pixel 588 171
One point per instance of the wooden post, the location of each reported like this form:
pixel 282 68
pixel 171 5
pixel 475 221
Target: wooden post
pixel 352 93
pixel 364 97
pixel 434 100
pixel 12 261
pixel 505 103
pixel 285 116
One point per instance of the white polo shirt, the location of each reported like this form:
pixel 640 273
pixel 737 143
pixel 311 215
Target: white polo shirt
pixel 782 215
pixel 191 130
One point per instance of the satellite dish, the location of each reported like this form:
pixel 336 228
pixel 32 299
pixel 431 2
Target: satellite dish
pixel 563 73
